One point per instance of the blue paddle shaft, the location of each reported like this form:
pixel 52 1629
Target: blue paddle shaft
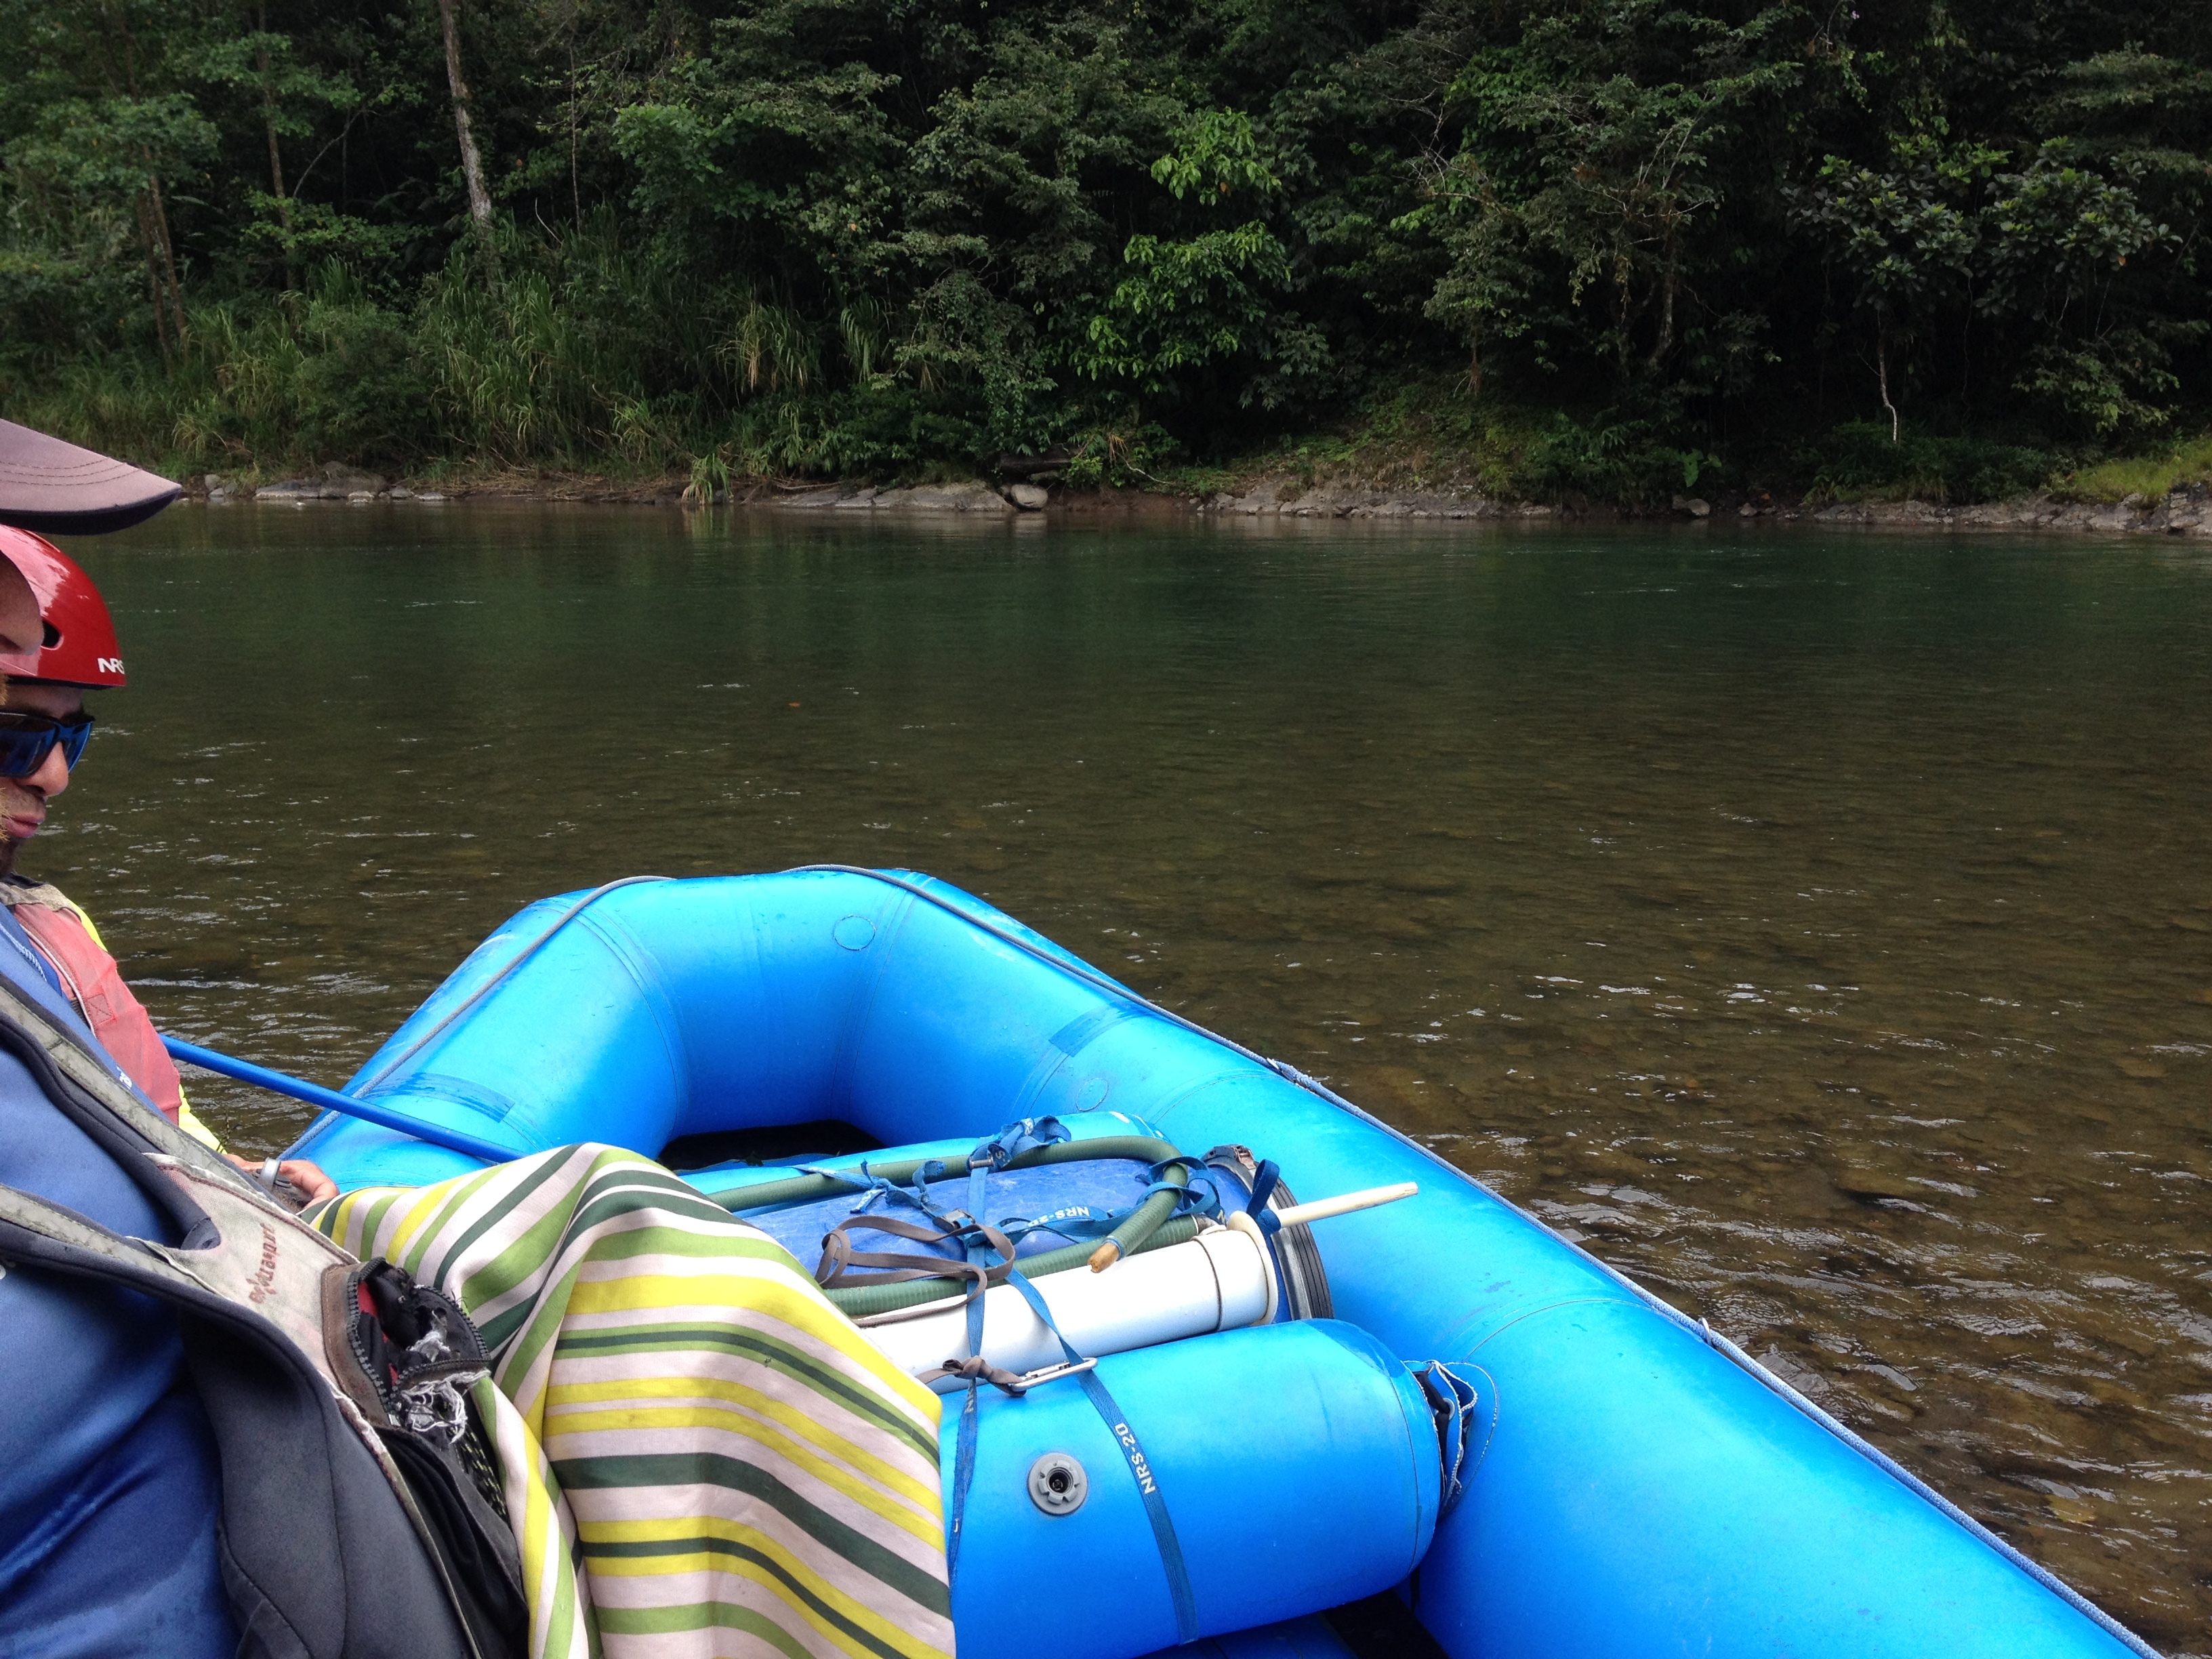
pixel 459 1140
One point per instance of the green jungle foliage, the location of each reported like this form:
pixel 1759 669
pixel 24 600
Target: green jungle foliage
pixel 1613 249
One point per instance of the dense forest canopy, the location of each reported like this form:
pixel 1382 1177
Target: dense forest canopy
pixel 841 236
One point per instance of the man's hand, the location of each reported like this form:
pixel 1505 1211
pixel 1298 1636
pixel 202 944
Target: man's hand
pixel 307 1177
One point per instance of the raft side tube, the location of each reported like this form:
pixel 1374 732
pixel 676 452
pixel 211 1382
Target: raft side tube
pixel 1298 1461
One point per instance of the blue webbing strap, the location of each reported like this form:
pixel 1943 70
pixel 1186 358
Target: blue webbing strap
pixel 1140 1469
pixel 1453 1402
pixel 1195 1196
pixel 963 1476
pixel 964 1459
pixel 1265 1180
pixel 1024 1132
pixel 976 1244
pixel 978 1252
pixel 993 1155
pixel 868 1185
pixel 975 1372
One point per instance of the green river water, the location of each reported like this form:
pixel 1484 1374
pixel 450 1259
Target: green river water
pixel 1818 927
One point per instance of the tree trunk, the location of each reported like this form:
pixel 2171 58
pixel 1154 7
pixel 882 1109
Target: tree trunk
pixel 472 163
pixel 169 254
pixel 1881 368
pixel 154 277
pixel 276 154
pixel 284 206
pixel 1665 343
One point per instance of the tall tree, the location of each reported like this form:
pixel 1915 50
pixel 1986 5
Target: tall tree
pixel 472 172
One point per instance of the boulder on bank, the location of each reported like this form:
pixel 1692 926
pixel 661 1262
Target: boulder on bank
pixel 333 482
pixel 971 495
pixel 1289 498
pixel 2179 514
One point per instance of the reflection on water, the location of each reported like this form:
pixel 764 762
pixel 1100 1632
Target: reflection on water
pixel 1820 928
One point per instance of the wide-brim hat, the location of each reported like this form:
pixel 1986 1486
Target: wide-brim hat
pixel 57 488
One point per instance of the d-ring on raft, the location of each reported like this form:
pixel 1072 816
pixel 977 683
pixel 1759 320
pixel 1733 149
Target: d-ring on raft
pixel 1632 1483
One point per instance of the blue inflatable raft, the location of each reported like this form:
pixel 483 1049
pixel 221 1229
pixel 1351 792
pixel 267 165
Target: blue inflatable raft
pixel 1630 1483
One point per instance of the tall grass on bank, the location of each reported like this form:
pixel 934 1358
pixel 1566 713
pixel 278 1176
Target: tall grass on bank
pixel 589 347
pixel 1862 460
pixel 2151 476
pixel 1434 435
pixel 329 374
pixel 578 349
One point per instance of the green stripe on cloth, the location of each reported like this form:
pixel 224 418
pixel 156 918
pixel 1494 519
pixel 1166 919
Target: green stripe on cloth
pixel 737 1474
pixel 779 1355
pixel 512 1192
pixel 705 1615
pixel 746 1553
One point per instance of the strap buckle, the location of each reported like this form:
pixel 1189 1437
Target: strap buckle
pixel 1053 1373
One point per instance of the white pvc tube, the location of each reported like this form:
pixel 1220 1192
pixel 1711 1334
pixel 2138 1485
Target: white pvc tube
pixel 1216 1282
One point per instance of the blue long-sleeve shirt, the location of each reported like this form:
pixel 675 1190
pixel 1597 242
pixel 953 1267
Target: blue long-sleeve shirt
pixel 108 1482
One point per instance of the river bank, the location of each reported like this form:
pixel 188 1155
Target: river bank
pixel 2186 509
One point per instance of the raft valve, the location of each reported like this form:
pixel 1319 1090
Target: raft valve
pixel 1057 1484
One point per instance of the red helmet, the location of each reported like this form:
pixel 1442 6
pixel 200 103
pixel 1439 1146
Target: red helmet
pixel 68 637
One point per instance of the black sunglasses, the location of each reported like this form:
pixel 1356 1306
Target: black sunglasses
pixel 26 740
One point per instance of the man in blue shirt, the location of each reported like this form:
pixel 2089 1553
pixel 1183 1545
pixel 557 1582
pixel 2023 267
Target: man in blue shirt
pixel 108 1488
pixel 108 1476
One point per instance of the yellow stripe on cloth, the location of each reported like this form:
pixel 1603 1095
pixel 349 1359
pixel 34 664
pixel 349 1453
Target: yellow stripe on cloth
pixel 625 1402
pixel 701 1455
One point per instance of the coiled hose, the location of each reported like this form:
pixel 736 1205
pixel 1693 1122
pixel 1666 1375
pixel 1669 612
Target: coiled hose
pixel 806 1185
pixel 1152 1225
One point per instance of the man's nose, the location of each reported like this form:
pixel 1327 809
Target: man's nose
pixel 52 776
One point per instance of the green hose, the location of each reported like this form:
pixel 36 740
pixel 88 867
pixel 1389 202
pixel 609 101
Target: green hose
pixel 804 1188
pixel 1147 1227
pixel 858 1300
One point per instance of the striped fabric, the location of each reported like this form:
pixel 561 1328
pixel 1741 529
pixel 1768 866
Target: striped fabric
pixel 702 1456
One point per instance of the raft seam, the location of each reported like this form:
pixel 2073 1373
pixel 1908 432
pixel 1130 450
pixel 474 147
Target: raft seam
pixel 1548 1307
pixel 494 982
pixel 644 970
pixel 852 1029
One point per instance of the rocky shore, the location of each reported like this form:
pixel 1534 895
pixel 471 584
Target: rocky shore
pixel 2184 511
